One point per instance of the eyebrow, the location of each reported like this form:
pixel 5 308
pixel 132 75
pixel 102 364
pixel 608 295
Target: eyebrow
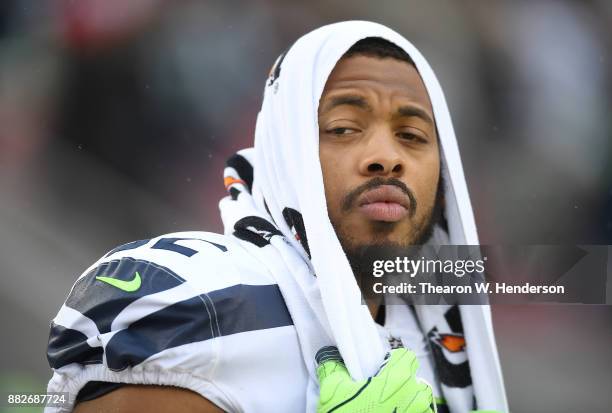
pixel 360 102
pixel 351 100
pixel 414 111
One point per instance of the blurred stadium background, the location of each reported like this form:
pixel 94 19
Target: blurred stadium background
pixel 116 118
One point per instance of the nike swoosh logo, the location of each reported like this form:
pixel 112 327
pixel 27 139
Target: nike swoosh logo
pixel 127 286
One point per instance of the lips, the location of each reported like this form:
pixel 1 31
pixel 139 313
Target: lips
pixel 386 203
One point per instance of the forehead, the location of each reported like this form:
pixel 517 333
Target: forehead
pixel 387 75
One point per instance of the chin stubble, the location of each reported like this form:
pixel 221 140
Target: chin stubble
pixel 361 256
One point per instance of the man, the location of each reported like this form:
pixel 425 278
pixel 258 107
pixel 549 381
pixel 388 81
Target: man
pixel 354 151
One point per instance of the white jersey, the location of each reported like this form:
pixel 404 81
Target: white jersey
pixel 191 310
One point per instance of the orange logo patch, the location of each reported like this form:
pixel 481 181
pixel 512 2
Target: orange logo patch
pixel 452 343
pixel 230 180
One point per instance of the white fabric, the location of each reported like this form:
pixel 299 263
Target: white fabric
pixel 327 308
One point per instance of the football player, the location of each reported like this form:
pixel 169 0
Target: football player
pixel 354 152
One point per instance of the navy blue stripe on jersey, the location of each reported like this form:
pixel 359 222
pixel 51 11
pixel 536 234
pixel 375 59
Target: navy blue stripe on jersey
pixel 328 353
pixel 232 310
pixel 234 193
pixel 243 167
pixel 68 346
pixel 453 318
pixel 169 244
pixel 295 221
pixel 102 302
pixel 129 246
pixel 255 230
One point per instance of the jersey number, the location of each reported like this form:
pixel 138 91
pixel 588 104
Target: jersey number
pixel 168 244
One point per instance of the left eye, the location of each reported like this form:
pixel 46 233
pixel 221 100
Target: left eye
pixel 410 136
pixel 341 131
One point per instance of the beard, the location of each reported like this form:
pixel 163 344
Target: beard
pixel 362 256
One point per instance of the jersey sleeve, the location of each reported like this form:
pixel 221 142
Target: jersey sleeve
pixel 148 312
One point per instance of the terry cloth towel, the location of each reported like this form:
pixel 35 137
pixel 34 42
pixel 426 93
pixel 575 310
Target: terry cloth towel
pixel 277 208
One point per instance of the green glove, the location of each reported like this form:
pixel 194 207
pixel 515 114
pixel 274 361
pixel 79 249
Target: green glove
pixel 394 389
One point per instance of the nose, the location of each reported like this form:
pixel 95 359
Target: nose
pixel 381 157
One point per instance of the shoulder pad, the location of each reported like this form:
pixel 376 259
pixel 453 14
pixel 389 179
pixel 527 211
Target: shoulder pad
pixel 150 295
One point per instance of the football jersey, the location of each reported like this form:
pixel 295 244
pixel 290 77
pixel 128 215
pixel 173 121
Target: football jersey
pixel 191 310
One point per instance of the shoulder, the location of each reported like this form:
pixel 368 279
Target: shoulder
pixel 187 262
pixel 196 257
pixel 129 305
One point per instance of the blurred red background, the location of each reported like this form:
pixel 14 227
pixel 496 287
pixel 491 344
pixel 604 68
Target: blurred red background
pixel 116 118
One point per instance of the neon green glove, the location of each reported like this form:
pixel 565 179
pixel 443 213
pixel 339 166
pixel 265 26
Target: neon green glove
pixel 394 389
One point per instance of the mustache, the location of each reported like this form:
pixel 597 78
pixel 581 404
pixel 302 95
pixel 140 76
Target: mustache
pixel 351 197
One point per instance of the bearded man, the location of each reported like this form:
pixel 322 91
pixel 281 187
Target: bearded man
pixel 354 152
